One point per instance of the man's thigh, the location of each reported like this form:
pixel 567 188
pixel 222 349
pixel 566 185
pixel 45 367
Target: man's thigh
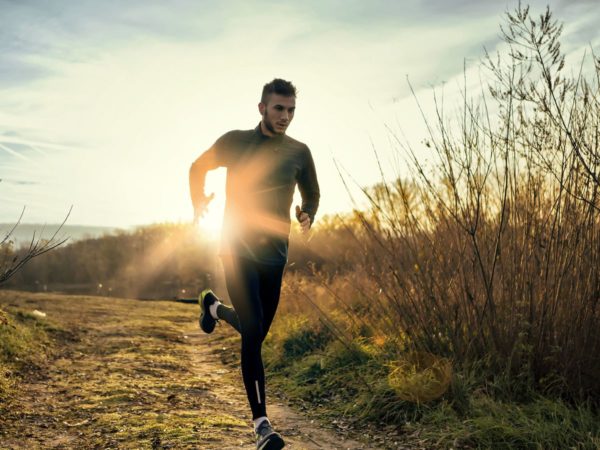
pixel 270 278
pixel 243 285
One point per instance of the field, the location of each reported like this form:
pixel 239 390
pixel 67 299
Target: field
pixel 115 373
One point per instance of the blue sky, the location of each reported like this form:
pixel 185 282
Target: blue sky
pixel 105 104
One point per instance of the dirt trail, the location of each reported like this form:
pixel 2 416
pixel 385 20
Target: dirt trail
pixel 130 374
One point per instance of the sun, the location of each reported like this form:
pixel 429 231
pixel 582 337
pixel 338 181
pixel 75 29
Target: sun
pixel 211 223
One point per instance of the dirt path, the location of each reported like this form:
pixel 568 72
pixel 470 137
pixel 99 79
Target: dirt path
pixel 130 374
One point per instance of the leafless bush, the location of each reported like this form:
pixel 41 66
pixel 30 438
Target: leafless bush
pixel 491 253
pixel 12 260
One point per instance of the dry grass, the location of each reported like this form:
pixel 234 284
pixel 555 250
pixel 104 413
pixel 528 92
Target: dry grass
pixel 489 255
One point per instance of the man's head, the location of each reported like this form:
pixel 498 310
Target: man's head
pixel 277 106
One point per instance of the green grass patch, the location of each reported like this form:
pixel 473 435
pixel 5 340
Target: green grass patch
pixel 24 343
pixel 351 380
pixel 539 424
pixel 169 429
pixel 20 338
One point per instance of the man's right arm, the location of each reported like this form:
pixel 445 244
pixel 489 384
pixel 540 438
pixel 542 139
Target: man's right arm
pixel 207 161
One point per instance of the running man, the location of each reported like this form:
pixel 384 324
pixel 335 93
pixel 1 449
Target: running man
pixel 264 165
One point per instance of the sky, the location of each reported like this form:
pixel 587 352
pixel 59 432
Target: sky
pixel 105 104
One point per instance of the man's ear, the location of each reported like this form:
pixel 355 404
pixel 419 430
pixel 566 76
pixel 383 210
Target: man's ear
pixel 261 108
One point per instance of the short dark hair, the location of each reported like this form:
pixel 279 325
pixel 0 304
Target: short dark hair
pixel 278 86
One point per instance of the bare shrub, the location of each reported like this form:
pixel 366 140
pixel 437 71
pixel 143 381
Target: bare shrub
pixel 491 253
pixel 12 260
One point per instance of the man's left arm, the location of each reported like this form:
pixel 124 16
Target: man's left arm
pixel 308 186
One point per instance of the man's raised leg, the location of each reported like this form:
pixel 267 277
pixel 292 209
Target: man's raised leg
pixel 211 310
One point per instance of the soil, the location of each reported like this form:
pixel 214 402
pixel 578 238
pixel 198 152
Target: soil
pixel 129 374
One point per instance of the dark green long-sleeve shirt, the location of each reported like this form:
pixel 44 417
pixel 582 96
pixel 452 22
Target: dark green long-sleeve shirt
pixel 262 173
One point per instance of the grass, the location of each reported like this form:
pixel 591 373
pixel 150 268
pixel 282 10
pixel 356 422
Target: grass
pixel 350 383
pixel 181 427
pixel 24 345
pixel 118 374
pixel 540 424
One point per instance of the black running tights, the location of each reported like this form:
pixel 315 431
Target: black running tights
pixel 254 290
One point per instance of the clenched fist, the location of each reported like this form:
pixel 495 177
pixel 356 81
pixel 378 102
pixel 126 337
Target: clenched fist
pixel 304 219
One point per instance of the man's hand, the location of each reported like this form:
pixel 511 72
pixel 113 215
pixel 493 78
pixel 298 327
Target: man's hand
pixel 201 208
pixel 304 219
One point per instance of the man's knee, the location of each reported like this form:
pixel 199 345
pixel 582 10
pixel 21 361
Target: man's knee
pixel 253 333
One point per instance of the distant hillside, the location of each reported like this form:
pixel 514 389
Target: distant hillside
pixel 24 232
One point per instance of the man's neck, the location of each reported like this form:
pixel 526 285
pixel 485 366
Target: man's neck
pixel 264 130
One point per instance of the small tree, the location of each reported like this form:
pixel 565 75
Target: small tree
pixel 12 260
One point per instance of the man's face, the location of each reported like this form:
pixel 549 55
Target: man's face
pixel 277 114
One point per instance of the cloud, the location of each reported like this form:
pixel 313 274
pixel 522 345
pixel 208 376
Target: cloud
pixel 111 99
pixel 12 152
pixel 15 70
pixel 36 35
pixel 12 146
pixel 19 182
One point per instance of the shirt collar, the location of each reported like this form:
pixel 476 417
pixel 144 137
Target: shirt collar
pixel 258 132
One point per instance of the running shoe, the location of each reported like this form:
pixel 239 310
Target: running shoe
pixel 207 321
pixel 267 438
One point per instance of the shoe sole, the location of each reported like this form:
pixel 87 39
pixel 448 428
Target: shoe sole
pixel 207 323
pixel 275 442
